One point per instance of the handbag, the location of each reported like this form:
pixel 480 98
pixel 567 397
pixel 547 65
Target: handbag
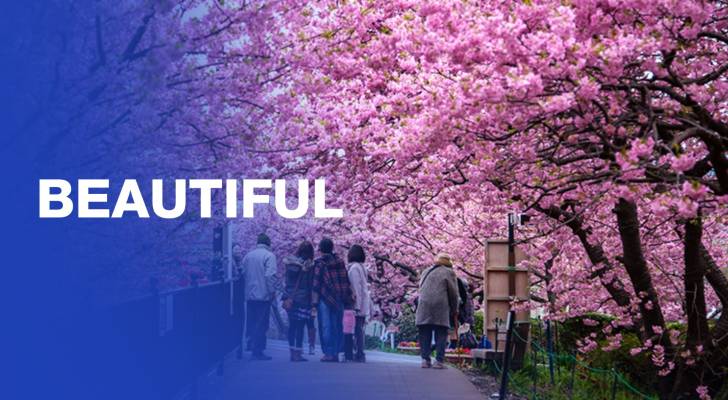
pixel 288 301
pixel 348 322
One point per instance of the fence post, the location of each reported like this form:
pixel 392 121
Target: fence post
pixel 497 322
pixel 244 318
pixel 507 356
pixel 555 340
pixel 550 350
pixel 540 336
pixel 571 380
pixel 534 354
pixel 195 390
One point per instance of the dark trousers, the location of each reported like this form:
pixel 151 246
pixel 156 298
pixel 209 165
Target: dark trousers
pixel 311 324
pixel 426 332
pixel 257 325
pixel 295 332
pixel 355 340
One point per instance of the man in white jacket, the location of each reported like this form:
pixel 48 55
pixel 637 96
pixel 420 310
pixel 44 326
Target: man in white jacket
pixel 259 269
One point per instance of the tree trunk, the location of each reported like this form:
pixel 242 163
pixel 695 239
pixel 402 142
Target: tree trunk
pixel 719 282
pixel 689 377
pixel 639 274
pixel 695 307
pixel 594 251
pixel 718 359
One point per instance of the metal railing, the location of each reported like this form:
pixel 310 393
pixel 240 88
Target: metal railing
pixel 176 336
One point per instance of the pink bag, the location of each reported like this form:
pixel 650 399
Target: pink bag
pixel 349 321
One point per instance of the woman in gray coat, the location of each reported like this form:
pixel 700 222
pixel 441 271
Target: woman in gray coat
pixel 437 302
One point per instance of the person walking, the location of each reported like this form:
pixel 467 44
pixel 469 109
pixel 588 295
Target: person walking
pixel 331 295
pixel 297 296
pixel 360 286
pixel 438 301
pixel 259 270
pixel 463 336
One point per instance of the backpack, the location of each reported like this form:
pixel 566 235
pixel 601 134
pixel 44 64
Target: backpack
pixel 467 340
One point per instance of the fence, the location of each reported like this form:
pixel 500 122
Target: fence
pixel 547 374
pixel 174 337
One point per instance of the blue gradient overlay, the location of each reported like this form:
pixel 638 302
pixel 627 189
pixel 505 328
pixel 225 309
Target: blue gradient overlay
pixel 70 110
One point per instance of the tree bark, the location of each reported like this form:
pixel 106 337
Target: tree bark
pixel 695 307
pixel 719 282
pixel 636 267
pixel 595 252
pixel 689 377
pixel 718 359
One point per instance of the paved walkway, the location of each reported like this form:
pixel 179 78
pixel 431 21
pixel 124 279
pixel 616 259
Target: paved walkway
pixel 385 376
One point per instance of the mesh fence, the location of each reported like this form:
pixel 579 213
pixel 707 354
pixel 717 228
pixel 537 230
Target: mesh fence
pixel 551 375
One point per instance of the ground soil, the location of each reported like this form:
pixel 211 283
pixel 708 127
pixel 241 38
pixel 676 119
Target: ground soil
pixel 486 384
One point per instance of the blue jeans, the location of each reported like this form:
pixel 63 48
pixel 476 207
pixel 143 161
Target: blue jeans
pixel 332 331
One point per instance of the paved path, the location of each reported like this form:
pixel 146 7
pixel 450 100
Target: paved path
pixel 385 376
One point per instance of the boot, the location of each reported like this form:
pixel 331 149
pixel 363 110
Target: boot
pixel 293 354
pixel 299 355
pixel 311 341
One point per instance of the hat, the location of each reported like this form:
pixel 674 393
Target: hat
pixel 443 259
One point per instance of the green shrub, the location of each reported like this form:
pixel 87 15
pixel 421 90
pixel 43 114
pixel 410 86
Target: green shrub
pixel 406 325
pixel 637 369
pixel 477 327
pixel 723 394
pixel 372 343
pixel 574 329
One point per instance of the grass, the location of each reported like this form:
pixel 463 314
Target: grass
pixel 534 382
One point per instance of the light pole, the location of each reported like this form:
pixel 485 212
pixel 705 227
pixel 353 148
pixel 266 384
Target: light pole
pixel 514 219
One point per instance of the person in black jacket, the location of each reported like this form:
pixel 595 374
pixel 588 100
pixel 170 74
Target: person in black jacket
pixel 297 297
pixel 466 314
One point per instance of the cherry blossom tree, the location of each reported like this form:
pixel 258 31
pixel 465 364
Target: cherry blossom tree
pixel 605 118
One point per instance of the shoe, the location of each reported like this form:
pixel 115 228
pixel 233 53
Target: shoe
pixel 331 359
pixel 312 350
pixel 426 364
pixel 439 365
pixel 296 356
pixel 293 354
pixel 261 357
pixel 360 359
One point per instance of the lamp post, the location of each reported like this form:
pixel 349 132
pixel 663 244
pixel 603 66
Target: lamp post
pixel 514 219
pixel 511 254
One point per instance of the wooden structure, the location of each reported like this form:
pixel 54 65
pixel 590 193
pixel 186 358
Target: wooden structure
pixel 503 283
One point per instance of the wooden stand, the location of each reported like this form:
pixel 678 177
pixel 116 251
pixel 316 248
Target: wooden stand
pixel 502 285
